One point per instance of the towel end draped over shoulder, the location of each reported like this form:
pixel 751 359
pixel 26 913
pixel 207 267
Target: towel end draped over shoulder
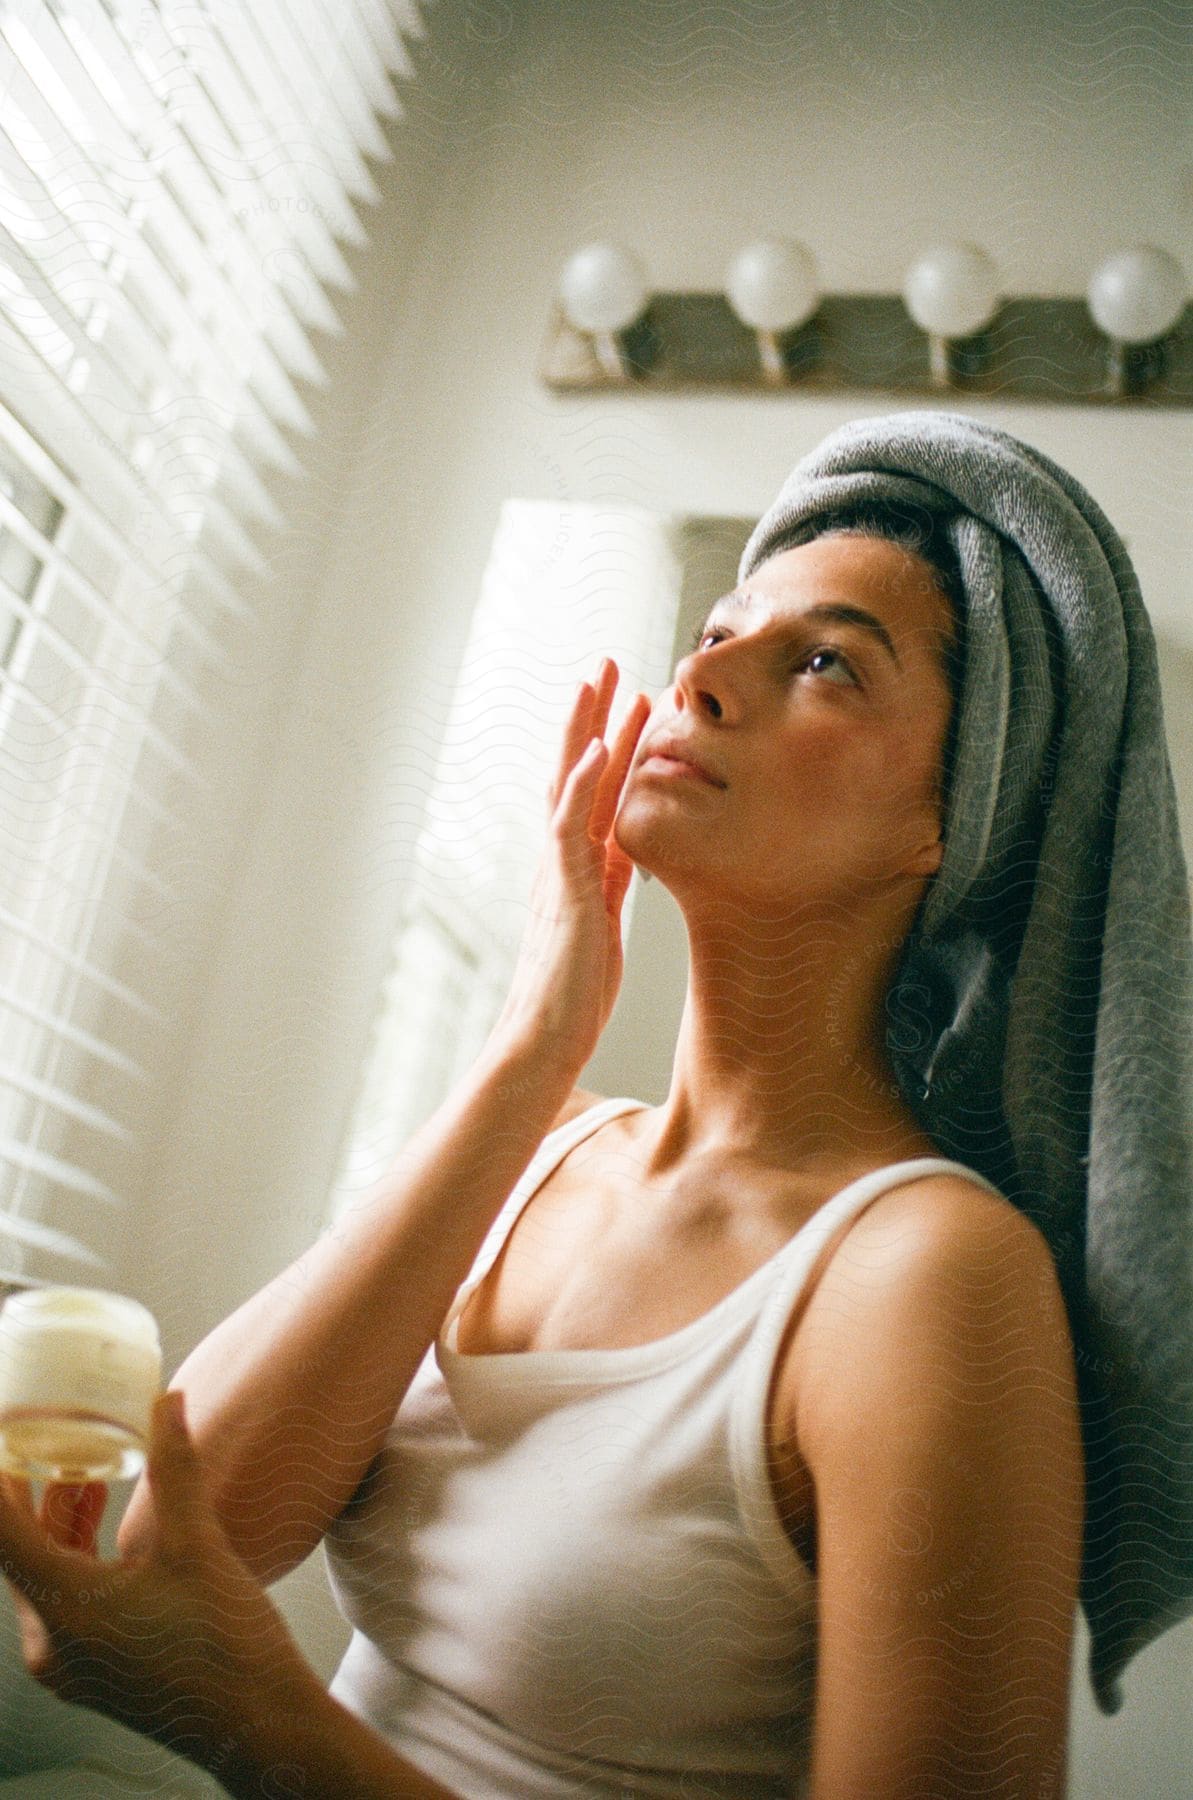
pixel 1041 1013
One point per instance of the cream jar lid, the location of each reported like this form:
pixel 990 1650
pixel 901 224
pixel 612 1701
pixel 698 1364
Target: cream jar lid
pixel 33 1311
pixel 79 1350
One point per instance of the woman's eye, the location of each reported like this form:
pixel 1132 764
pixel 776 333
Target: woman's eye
pixel 837 661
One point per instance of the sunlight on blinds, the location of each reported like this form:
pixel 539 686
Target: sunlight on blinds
pixel 564 586
pixel 177 184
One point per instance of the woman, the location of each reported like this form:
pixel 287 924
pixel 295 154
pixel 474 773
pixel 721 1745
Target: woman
pixel 753 1413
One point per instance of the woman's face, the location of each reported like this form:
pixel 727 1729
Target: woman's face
pixel 824 732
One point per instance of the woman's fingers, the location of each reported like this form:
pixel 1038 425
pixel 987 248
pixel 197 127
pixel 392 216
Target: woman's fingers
pixel 37 1568
pixel 175 1478
pixel 19 1493
pixel 606 687
pixel 578 730
pixel 587 719
pixel 620 758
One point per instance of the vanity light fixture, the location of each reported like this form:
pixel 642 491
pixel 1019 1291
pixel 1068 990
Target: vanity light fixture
pixel 949 332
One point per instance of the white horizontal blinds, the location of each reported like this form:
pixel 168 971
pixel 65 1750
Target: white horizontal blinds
pixel 62 788
pixel 564 586
pixel 178 184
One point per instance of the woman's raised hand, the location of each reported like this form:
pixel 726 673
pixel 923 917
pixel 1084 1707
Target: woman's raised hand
pixel 570 963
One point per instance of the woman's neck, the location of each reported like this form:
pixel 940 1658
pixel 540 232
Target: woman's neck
pixel 781 1053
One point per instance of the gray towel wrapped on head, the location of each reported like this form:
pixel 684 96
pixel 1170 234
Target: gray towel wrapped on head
pixel 1042 1009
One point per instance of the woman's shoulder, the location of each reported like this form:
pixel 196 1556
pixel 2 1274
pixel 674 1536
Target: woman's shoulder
pixel 934 1252
pixel 949 1210
pixel 938 1219
pixel 941 1271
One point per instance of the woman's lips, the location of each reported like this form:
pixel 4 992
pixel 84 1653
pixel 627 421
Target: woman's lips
pixel 661 764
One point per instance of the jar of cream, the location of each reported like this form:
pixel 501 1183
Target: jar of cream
pixel 79 1371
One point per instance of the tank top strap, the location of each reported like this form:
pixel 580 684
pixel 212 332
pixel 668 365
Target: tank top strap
pixel 802 1255
pixel 546 1158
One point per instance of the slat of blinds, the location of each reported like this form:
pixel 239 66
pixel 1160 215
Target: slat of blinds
pixel 202 574
pixel 73 1034
pixel 275 391
pixel 101 607
pixel 409 18
pixel 213 651
pixel 85 112
pixel 235 276
pixel 193 440
pixel 332 106
pixel 43 1237
pixel 60 417
pixel 142 874
pixel 291 143
pixel 262 114
pixel 69 652
pixel 369 63
pixel 215 432
pixel 112 703
pixel 48 232
pixel 51 329
pixel 139 875
pixel 370 59
pixel 157 62
pixel 264 442
pixel 330 45
pixel 162 816
pixel 345 180
pixel 71 960
pixel 66 1174
pixel 359 68
pixel 306 146
pixel 38 311
pixel 66 832
pixel 122 158
pixel 378 22
pixel 64 1102
pixel 245 193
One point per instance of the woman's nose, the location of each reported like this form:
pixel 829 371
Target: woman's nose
pixel 704 682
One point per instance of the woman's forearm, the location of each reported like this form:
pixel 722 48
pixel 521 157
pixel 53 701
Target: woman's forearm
pixel 326 1753
pixel 290 1398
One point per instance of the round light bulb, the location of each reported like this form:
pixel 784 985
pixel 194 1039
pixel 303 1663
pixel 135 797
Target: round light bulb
pixel 952 291
pixel 772 285
pixel 603 288
pixel 1137 295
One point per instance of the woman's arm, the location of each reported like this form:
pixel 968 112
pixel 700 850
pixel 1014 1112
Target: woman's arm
pixel 290 1398
pixel 182 1645
pixel 939 1418
pixel 339 1756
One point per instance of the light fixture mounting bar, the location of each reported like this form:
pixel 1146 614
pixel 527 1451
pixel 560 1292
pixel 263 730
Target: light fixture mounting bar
pixel 1045 350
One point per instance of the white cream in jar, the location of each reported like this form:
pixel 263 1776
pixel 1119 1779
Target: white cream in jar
pixel 79 1371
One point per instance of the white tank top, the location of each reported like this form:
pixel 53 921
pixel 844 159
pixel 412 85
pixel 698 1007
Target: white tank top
pixel 566 1570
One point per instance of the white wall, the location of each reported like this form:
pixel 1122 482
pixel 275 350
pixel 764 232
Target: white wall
pixel 1051 136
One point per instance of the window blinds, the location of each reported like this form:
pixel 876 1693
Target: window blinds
pixel 564 586
pixel 177 183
